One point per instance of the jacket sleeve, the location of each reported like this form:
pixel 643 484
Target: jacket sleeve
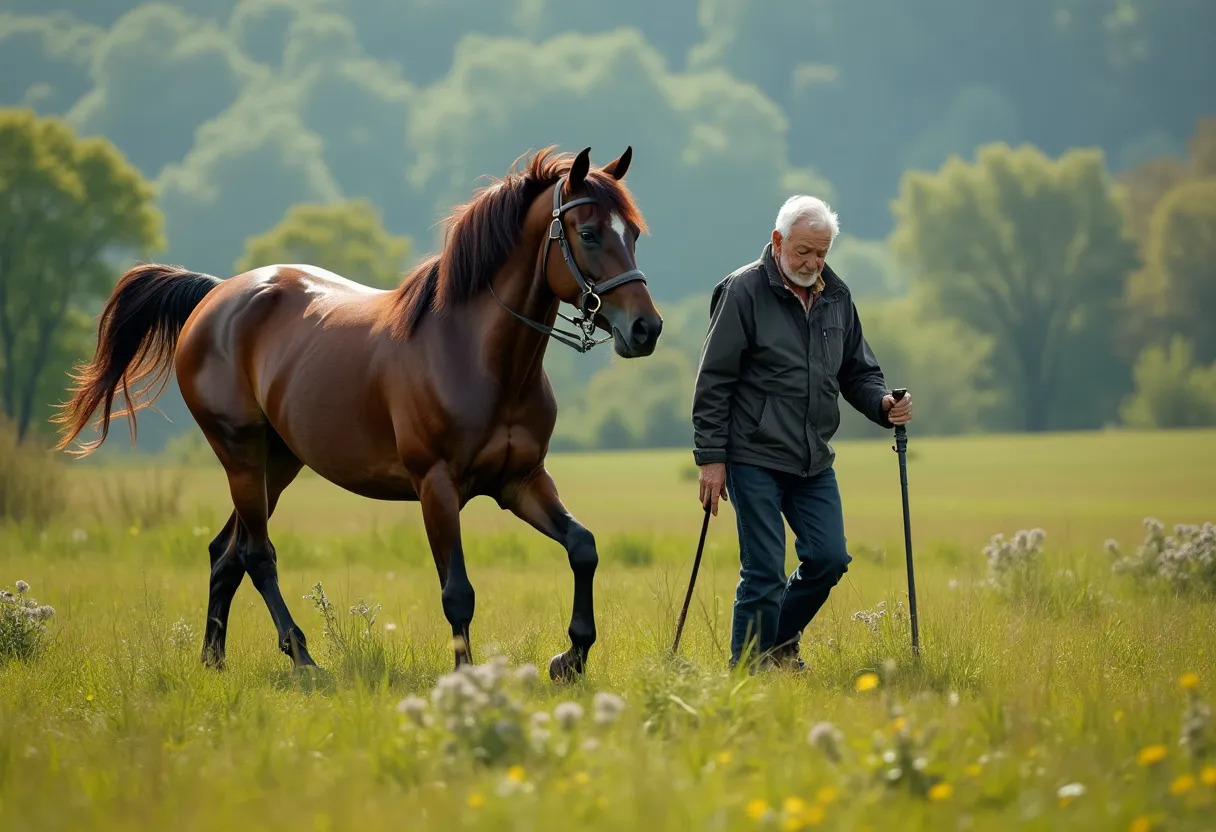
pixel 717 375
pixel 861 380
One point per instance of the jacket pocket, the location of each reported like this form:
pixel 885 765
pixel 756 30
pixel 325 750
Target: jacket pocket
pixel 833 348
pixel 781 428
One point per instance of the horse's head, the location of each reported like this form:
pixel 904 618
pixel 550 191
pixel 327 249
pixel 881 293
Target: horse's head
pixel 597 226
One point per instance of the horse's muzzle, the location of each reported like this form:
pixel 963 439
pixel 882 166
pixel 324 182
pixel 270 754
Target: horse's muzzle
pixel 640 339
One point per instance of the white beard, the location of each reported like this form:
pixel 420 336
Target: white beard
pixel 800 280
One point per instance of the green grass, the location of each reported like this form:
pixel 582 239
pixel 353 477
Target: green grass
pixel 116 725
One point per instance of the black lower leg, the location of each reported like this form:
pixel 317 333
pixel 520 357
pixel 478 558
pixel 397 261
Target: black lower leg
pixel 459 600
pixel 261 563
pixel 584 560
pixel 226 576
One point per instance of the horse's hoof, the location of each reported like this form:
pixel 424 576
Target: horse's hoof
pixel 565 667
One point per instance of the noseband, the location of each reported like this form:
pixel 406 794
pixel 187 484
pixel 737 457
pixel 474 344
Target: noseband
pixel 589 292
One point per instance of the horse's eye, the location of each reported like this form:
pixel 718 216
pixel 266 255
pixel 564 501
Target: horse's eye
pixel 587 236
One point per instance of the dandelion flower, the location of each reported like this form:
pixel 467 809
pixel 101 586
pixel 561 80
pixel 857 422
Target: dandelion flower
pixel 1183 784
pixel 813 816
pixel 1140 824
pixel 582 778
pixel 1151 755
pixel 867 681
pixel 516 774
pixel 723 757
pixel 756 808
pixel 1208 776
pixel 973 770
pixel 827 794
pixel 477 800
pixel 826 737
pixel 940 792
pixel 1189 681
pixel 793 805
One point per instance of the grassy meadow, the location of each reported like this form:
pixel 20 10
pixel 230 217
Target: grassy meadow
pixel 1055 693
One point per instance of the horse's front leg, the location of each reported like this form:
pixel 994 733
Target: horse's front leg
pixel 537 503
pixel 441 516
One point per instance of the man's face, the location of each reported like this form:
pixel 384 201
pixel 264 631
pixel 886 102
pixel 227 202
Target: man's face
pixel 802 253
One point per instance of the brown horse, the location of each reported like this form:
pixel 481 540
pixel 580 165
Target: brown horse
pixel 433 391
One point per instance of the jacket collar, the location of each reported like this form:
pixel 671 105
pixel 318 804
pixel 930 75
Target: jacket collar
pixel 832 284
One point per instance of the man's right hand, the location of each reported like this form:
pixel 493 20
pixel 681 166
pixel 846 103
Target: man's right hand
pixel 713 485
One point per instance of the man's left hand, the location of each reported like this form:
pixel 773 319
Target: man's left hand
pixel 899 413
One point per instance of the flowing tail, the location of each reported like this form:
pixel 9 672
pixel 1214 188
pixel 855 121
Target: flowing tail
pixel 136 339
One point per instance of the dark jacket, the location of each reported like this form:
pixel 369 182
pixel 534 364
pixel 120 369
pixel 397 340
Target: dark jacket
pixel 770 373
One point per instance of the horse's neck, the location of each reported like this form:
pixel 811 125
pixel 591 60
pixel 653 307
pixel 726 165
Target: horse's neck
pixel 512 352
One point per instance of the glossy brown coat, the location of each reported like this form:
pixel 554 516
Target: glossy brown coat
pixel 432 391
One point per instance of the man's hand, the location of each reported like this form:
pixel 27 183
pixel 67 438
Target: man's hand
pixel 898 413
pixel 713 485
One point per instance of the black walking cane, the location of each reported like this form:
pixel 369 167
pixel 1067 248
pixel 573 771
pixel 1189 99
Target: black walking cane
pixel 901 448
pixel 696 564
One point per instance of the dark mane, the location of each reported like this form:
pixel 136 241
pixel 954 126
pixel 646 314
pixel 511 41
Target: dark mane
pixel 482 232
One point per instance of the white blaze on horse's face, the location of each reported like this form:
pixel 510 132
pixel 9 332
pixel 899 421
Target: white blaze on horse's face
pixel 618 225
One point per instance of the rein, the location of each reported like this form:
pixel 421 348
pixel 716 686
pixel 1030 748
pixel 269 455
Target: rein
pixel 589 292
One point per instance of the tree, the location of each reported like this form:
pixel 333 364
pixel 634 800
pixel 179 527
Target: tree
pixel 159 74
pixel 1029 250
pixel 1171 392
pixel 346 238
pixel 46 60
pixel 711 165
pixel 1176 291
pixel 69 208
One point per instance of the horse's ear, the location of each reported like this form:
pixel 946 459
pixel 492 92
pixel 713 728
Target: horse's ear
pixel 580 168
pixel 617 167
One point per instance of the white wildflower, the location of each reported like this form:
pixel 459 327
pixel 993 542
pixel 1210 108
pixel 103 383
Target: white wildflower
pixel 568 714
pixel 22 587
pixel 608 707
pixel 1070 791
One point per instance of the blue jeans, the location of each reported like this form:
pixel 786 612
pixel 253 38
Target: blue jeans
pixel 769 607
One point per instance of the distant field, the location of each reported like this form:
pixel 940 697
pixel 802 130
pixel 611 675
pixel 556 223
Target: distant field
pixel 1081 488
pixel 1056 704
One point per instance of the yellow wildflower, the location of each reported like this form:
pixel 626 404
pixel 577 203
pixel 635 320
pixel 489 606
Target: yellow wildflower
pixel 793 805
pixel 973 770
pixel 477 800
pixel 1208 776
pixel 828 794
pixel 867 681
pixel 792 823
pixel 1151 755
pixel 516 773
pixel 1119 715
pixel 1183 784
pixel 723 757
pixel 813 816
pixel 756 808
pixel 1140 824
pixel 582 778
pixel 898 724
pixel 940 792
pixel 1189 681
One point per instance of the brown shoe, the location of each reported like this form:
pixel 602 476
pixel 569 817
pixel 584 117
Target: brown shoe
pixel 786 657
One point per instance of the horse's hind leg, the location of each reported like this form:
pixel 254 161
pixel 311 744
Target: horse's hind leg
pixel 227 569
pixel 259 467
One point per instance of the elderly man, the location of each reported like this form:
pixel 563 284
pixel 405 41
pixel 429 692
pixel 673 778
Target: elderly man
pixel 784 341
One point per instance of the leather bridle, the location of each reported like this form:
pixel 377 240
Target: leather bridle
pixel 589 292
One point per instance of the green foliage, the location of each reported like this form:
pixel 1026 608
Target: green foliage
pixel 1027 249
pixel 707 140
pixel 46 60
pixel 1181 251
pixel 246 170
pixel 1171 392
pixel 158 75
pixel 346 238
pixel 70 208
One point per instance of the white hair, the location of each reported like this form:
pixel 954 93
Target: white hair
pixel 813 209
